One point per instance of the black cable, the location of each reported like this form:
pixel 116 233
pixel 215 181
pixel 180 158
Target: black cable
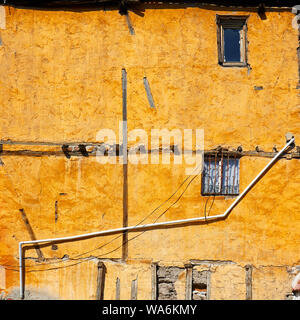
pixel 177 199
pixel 90 258
pixel 86 259
pixel 60 261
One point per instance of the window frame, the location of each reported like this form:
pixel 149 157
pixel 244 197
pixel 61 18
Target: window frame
pixel 220 21
pixel 216 158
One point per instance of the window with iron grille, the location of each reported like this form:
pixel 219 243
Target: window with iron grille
pixel 220 175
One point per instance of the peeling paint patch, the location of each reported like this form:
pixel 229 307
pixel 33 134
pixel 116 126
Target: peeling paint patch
pixel 211 262
pixel 296 283
pixel 31 294
pixel 2 19
pixel 2 278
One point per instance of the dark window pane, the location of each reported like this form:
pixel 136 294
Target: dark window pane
pixel 232 51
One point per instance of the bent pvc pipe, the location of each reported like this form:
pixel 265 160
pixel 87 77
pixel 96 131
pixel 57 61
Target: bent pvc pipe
pixel 146 226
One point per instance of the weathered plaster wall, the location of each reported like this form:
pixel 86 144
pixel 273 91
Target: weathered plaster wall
pixel 60 80
pixel 255 231
pixel 69 69
pixel 127 272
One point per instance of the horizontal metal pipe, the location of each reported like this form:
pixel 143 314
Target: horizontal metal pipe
pixel 146 226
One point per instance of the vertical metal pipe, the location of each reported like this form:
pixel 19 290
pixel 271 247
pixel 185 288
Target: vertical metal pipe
pixel 21 271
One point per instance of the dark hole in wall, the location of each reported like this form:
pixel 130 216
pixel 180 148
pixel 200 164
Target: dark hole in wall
pixel 199 287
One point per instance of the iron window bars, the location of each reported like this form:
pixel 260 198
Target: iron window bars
pixel 220 175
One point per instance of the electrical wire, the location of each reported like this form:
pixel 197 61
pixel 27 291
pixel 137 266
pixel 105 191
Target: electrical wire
pixel 151 213
pixel 100 256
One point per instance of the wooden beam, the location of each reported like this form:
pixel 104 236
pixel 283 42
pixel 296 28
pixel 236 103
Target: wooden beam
pixel 31 234
pixel 262 11
pixel 188 281
pixel 154 281
pixel 129 24
pixel 118 289
pixel 100 280
pixel 248 269
pixel 56 211
pixel 134 287
pixel 125 166
pixel 148 92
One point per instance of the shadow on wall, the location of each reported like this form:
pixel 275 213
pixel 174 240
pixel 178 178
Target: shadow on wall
pixel 139 7
pixel 29 295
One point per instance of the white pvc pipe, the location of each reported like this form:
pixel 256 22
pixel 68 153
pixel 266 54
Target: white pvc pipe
pixel 145 226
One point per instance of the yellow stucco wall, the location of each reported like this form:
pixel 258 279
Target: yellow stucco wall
pixel 60 80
